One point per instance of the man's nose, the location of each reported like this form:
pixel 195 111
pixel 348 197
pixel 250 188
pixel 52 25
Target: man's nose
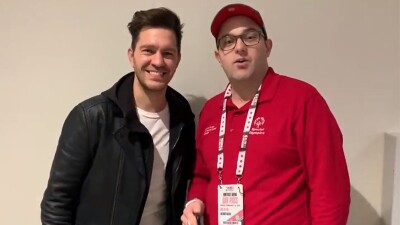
pixel 158 59
pixel 240 45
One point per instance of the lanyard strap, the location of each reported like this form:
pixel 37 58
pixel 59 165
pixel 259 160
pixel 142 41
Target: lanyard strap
pixel 246 130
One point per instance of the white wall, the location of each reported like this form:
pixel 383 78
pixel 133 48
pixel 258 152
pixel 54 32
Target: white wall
pixel 54 54
pixel 391 179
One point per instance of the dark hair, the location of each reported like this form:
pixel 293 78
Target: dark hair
pixel 157 18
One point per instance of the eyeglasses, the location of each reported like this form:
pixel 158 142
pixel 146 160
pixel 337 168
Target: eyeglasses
pixel 249 38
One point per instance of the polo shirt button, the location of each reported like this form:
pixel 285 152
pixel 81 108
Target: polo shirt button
pixel 231 130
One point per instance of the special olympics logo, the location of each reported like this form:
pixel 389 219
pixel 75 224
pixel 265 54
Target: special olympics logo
pixel 259 122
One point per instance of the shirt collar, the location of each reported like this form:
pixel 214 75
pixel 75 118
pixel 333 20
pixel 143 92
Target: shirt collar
pixel 269 87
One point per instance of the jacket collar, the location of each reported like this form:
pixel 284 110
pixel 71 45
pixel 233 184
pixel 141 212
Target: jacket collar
pixel 121 94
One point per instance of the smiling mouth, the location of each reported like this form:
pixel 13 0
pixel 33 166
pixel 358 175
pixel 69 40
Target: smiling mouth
pixel 156 73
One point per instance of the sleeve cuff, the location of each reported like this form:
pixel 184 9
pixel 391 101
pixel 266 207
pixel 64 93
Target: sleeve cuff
pixel 193 200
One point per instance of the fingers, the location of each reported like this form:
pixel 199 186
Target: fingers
pixel 191 214
pixel 196 207
pixel 186 221
pixel 189 218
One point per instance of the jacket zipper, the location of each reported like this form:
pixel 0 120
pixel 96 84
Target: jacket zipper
pixel 175 170
pixel 179 136
pixel 116 188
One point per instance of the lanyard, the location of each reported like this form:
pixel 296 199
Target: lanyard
pixel 246 130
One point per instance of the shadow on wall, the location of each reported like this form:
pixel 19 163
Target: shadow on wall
pixel 196 102
pixel 361 211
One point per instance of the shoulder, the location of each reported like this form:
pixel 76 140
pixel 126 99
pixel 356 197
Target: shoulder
pixel 214 103
pixel 177 97
pixel 97 106
pixel 211 108
pixel 178 101
pixel 95 101
pixel 300 95
pixel 288 90
pixel 296 87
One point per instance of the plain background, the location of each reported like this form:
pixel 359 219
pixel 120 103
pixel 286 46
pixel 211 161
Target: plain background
pixel 56 53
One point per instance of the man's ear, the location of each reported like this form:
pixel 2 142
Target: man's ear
pixel 179 59
pixel 130 56
pixel 268 44
pixel 217 56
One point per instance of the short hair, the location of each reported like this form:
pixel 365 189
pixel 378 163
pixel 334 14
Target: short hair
pixel 155 18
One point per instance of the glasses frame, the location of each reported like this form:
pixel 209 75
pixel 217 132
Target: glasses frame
pixel 236 37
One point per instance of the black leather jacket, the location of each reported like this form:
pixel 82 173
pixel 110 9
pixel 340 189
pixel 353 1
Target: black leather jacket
pixel 103 164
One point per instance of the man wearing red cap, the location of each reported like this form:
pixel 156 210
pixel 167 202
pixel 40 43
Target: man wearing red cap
pixel 269 150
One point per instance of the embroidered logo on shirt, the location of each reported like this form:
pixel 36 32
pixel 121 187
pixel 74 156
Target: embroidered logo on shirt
pixel 258 128
pixel 209 129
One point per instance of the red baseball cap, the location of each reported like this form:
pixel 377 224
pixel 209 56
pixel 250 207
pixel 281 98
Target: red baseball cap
pixel 235 10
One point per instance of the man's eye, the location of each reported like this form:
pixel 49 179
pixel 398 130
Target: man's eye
pixel 147 51
pixel 228 40
pixel 250 36
pixel 168 53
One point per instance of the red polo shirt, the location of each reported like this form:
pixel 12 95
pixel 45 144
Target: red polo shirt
pixel 295 171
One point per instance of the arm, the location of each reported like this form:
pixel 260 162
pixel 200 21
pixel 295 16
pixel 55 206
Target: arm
pixel 325 164
pixel 197 190
pixel 200 179
pixel 70 165
pixel 194 208
pixel 190 154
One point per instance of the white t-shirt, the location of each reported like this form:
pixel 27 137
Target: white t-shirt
pixel 154 212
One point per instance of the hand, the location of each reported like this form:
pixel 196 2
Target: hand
pixel 192 212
